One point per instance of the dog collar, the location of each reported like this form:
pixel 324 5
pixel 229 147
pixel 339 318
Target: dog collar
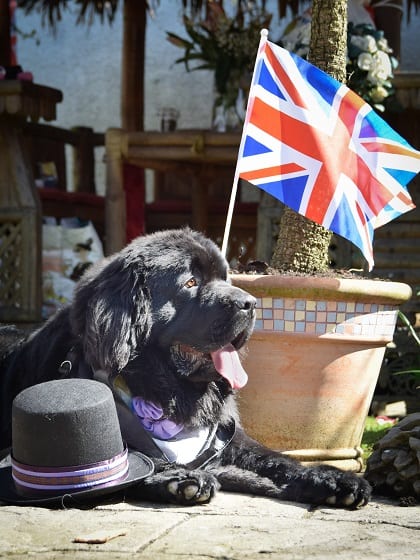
pixel 74 366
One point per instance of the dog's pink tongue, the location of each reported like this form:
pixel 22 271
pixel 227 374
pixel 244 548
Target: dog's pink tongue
pixel 227 363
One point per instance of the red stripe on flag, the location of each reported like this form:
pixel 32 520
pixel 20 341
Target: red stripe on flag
pixel 406 199
pixel 390 149
pixel 270 171
pixel 284 79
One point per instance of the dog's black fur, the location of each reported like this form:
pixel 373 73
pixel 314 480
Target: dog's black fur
pixel 152 314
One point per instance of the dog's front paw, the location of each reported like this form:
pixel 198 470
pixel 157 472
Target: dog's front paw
pixel 177 485
pixel 350 491
pixel 192 487
pixel 331 486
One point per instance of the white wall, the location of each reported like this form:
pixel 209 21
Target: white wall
pixel 85 64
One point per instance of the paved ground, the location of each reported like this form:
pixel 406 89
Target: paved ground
pixel 233 526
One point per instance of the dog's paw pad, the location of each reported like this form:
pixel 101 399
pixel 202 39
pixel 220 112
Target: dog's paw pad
pixel 348 500
pixel 191 491
pixel 173 487
pixel 186 490
pixel 361 503
pixel 204 498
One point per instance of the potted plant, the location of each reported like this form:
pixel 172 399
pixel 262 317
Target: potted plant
pixel 319 341
pixel 225 44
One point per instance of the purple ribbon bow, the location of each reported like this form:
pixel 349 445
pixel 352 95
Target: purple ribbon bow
pixel 152 419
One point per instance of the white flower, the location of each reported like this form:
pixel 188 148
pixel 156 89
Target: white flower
pixel 383 45
pixel 365 43
pixel 378 94
pixel 381 68
pixel 365 61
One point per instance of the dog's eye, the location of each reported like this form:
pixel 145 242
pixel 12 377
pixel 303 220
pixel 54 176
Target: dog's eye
pixel 191 283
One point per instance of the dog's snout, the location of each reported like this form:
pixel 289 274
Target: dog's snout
pixel 245 302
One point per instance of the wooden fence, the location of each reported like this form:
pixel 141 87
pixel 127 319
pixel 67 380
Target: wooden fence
pixel 46 145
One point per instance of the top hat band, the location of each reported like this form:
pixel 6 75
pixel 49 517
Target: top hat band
pixel 30 480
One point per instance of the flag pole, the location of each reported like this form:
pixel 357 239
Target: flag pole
pixel 263 40
pixel 230 214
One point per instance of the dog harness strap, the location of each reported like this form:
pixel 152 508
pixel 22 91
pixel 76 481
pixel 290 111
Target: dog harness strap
pixel 221 439
pixel 73 366
pixel 134 434
pixel 98 475
pixel 69 364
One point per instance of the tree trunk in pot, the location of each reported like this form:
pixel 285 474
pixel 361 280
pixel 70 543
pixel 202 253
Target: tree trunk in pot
pixel 302 245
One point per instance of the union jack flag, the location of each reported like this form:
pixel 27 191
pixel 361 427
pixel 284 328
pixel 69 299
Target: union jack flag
pixel 314 144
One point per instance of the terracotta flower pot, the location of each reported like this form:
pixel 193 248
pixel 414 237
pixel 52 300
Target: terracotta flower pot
pixel 313 362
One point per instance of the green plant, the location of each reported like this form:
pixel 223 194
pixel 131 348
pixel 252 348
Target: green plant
pixel 374 430
pixel 411 331
pixel 224 44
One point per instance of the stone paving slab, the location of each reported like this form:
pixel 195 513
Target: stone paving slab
pixel 232 526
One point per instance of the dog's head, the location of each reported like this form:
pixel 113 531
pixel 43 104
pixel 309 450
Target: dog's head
pixel 168 291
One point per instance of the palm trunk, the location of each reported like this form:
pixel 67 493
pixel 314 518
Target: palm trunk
pixel 302 245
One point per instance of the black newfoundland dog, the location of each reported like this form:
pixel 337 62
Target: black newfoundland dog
pixel 160 323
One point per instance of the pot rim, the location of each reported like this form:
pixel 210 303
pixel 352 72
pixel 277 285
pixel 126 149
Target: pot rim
pixel 323 288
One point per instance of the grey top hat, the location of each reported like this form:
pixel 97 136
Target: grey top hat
pixel 67 446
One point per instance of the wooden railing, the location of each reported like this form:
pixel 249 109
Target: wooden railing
pixel 193 172
pixel 47 144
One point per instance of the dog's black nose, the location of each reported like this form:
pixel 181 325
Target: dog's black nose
pixel 245 301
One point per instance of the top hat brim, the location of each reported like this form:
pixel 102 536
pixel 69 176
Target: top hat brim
pixel 140 467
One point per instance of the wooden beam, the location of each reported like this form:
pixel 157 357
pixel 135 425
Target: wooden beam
pixel 132 86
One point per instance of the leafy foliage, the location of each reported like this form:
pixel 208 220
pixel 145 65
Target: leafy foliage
pixel 52 10
pixel 373 432
pixel 226 45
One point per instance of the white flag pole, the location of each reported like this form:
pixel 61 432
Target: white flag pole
pixel 263 40
pixel 230 213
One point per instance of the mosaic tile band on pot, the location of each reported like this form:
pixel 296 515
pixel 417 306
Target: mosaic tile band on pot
pixel 325 317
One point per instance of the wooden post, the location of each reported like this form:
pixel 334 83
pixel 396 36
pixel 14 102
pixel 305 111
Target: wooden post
pixel 20 213
pixel 115 209
pixel 132 86
pixel 20 230
pixel 84 160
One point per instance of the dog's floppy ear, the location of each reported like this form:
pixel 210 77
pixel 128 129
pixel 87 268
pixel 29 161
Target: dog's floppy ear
pixel 111 314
